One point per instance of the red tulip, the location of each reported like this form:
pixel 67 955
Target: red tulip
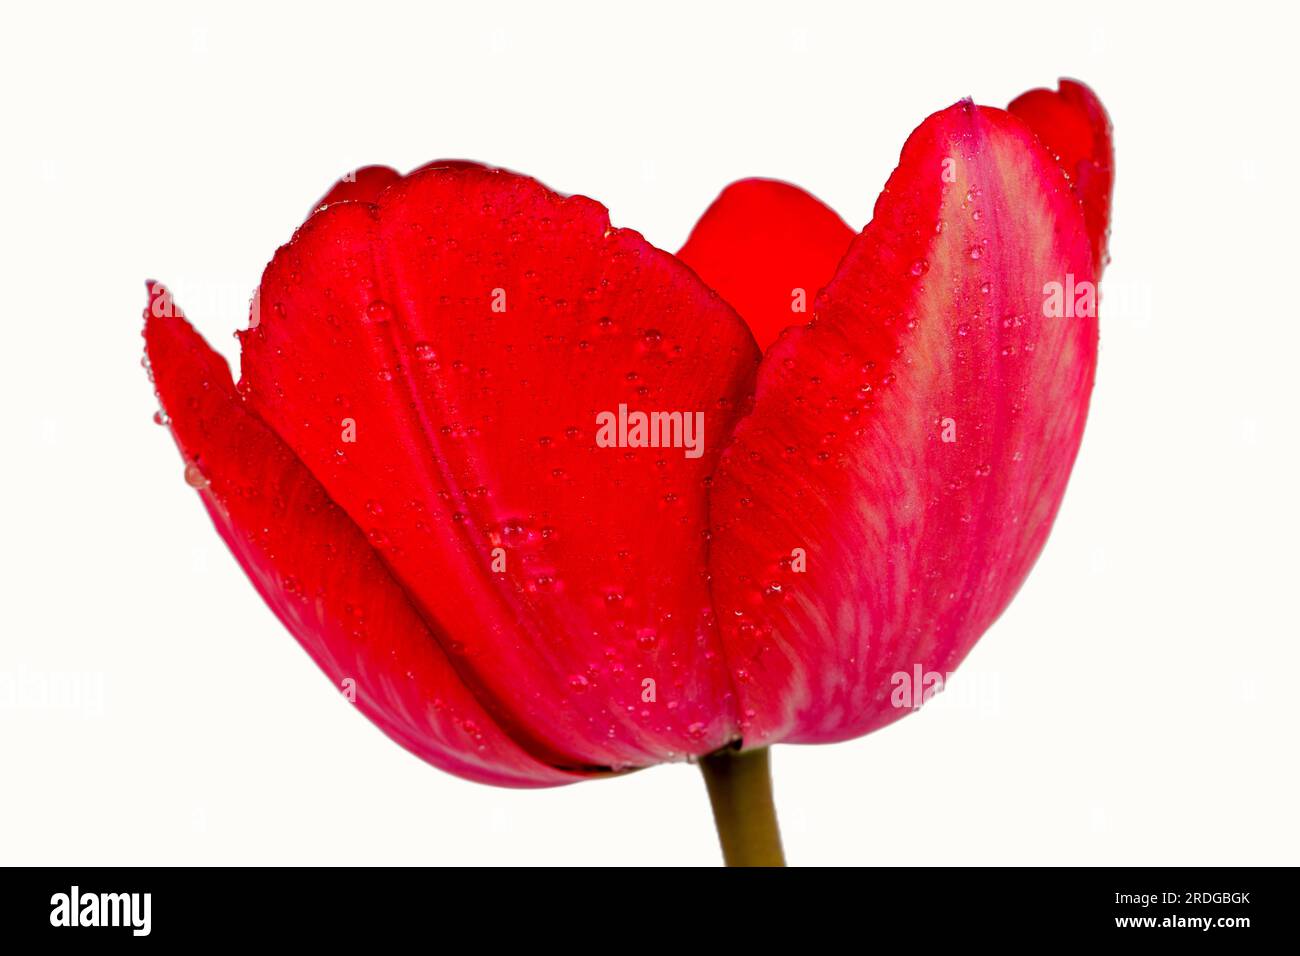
pixel 527 486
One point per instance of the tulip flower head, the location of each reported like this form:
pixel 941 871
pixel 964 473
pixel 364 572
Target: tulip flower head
pixel 554 504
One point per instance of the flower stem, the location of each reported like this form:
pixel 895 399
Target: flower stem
pixel 740 789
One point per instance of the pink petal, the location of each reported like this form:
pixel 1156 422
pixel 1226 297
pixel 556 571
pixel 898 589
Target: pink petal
pixel 933 327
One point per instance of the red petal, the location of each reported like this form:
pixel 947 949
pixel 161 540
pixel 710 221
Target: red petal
pixel 475 430
pixel 1073 124
pixel 913 545
pixel 362 185
pixel 767 248
pixel 317 572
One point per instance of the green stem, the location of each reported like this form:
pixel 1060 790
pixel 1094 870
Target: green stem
pixel 740 789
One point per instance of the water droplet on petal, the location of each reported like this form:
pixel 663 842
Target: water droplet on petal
pixel 194 476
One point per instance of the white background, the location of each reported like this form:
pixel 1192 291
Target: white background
pixel 1134 705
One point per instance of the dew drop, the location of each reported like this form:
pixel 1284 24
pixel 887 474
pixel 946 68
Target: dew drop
pixel 194 476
